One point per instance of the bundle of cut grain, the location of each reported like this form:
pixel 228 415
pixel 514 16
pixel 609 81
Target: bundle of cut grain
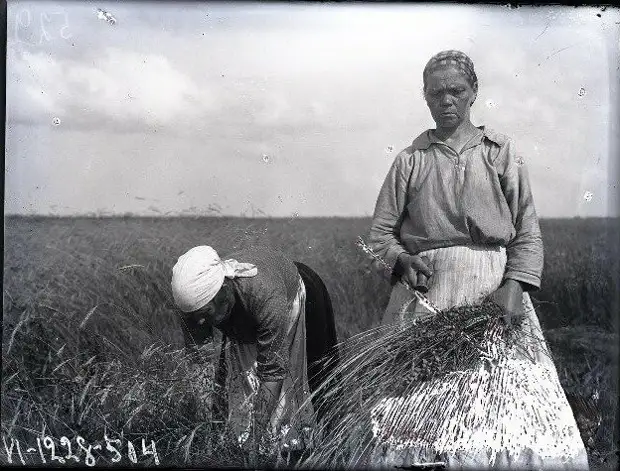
pixel 460 387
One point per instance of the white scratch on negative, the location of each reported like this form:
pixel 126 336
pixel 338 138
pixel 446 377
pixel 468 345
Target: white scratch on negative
pixel 104 15
pixel 127 267
pixel 90 313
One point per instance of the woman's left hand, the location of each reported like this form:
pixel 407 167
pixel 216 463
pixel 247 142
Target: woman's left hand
pixel 265 403
pixel 510 297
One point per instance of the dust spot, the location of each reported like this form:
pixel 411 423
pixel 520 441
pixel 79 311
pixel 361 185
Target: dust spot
pixel 105 16
pixel 582 91
pixel 56 121
pixel 295 215
pixel 389 149
pixel 588 195
pixel 491 104
pixel 520 161
pixel 265 158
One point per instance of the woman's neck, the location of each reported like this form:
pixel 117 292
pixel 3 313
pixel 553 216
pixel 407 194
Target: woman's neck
pixel 456 137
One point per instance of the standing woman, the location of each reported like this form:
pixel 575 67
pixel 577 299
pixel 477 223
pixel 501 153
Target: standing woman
pixel 258 298
pixel 457 207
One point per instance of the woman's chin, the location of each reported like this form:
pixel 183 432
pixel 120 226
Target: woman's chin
pixel 447 122
pixel 218 321
pixel 220 317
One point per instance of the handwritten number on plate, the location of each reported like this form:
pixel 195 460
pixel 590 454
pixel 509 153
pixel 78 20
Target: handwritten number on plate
pixel 65 26
pixel 43 460
pixel 131 452
pixel 43 31
pixel 89 459
pixel 50 445
pixel 111 448
pixel 9 451
pixel 64 441
pixel 22 21
pixel 152 451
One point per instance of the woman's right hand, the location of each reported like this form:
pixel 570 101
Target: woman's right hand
pixel 412 264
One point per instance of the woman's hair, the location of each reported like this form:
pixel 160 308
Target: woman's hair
pixel 452 58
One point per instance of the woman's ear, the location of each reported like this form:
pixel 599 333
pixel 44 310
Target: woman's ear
pixel 475 89
pixel 227 294
pixel 221 305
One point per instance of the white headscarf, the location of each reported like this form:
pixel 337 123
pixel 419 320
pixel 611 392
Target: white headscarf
pixel 199 274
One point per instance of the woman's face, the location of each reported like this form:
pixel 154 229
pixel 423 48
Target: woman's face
pixel 213 314
pixel 217 310
pixel 449 97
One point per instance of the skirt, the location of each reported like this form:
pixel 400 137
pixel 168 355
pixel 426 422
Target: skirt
pixel 321 338
pixel 512 414
pixel 293 418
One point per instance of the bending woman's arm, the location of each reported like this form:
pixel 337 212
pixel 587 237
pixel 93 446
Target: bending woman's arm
pixel 272 317
pixel 198 337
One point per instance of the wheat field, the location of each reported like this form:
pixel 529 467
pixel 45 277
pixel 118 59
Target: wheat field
pixel 93 368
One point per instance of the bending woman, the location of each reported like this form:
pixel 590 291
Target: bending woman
pixel 460 197
pixel 265 305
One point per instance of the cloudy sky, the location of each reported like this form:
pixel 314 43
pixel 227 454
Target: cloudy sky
pixel 280 109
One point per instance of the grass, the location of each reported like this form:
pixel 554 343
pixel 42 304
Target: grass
pixel 454 353
pixel 91 344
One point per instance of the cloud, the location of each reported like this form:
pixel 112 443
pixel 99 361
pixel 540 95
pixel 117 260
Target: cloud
pixel 172 100
pixel 125 87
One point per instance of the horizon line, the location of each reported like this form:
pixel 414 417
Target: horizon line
pixel 215 216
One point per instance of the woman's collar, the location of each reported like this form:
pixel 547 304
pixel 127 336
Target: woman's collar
pixel 424 140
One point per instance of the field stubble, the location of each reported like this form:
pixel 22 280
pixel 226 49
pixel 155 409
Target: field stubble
pixel 91 342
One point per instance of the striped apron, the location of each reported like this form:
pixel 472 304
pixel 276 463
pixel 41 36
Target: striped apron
pixel 293 417
pixel 513 415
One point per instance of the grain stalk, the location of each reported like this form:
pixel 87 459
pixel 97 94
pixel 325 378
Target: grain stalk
pixel 419 296
pixel 388 270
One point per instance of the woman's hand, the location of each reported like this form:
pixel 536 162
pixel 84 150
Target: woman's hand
pixel 265 403
pixel 262 443
pixel 412 264
pixel 509 296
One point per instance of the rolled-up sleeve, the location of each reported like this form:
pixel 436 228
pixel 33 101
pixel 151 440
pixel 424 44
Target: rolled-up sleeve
pixel 384 236
pixel 525 250
pixel 272 322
